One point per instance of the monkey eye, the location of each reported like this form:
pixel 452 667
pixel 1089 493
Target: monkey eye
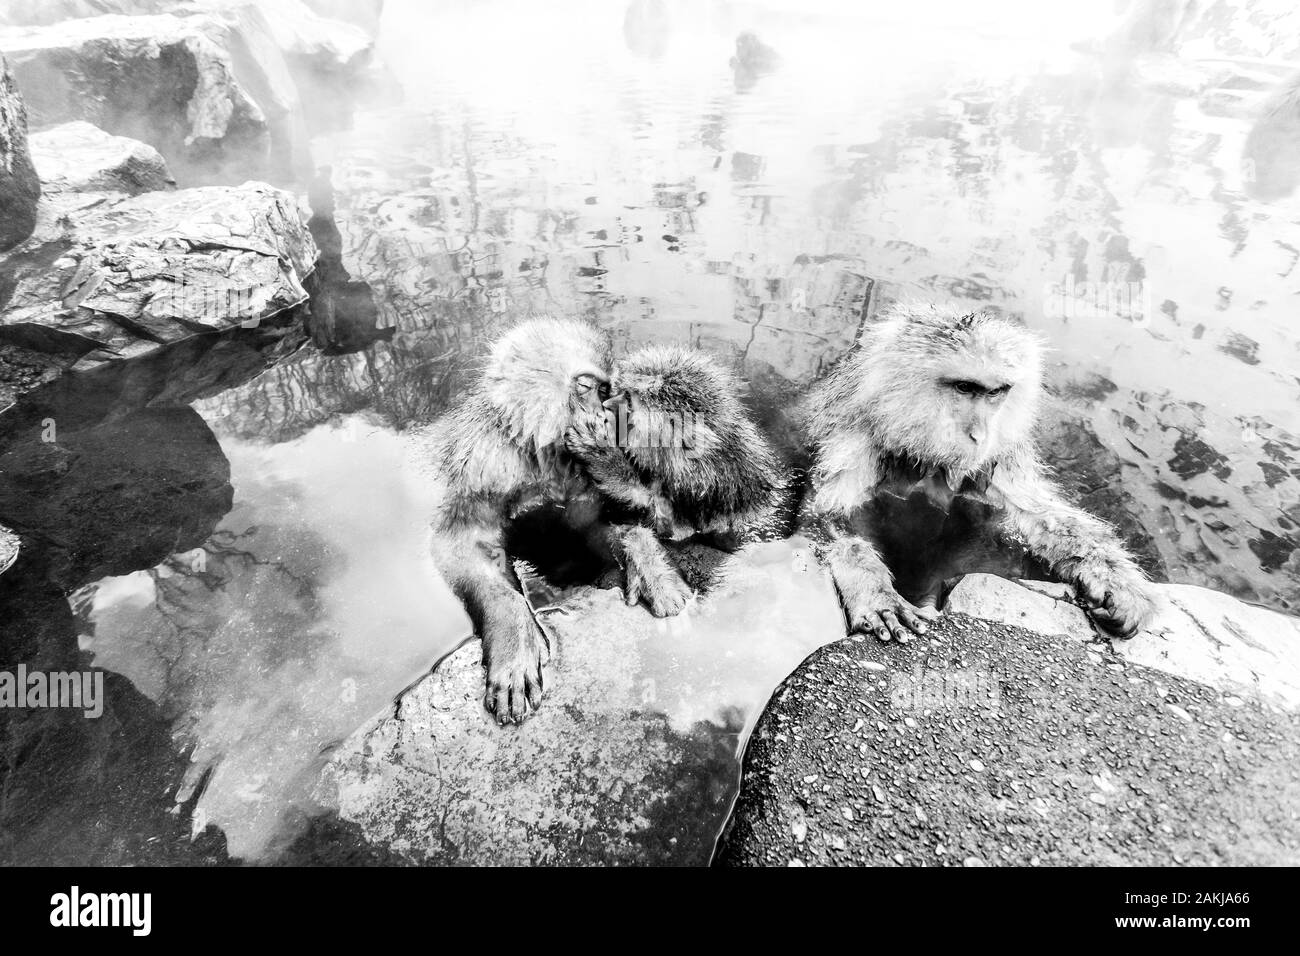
pixel 968 388
pixel 1000 391
pixel 584 383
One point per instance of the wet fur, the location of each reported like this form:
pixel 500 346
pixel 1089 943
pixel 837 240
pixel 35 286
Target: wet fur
pixel 718 477
pixel 498 452
pixel 891 399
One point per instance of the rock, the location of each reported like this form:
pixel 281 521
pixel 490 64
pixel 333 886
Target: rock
pixel 79 157
pixel 159 267
pixel 9 547
pixel 362 13
pixel 211 92
pixel 1035 606
pixel 27 13
pixel 1081 764
pixel 1198 634
pixel 1222 642
pixel 20 189
pixel 633 754
pixel 107 500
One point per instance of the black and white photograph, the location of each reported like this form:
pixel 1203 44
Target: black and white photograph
pixel 650 433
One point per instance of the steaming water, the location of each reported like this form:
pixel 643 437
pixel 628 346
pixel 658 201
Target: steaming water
pixel 608 161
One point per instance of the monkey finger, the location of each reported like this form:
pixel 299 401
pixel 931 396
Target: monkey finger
pixel 927 611
pixel 518 703
pixel 896 629
pixel 1093 594
pixel 498 703
pixel 632 589
pixel 911 618
pixel 872 627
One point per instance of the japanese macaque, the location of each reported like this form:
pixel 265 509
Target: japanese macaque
pixel 680 457
pixel 498 453
pixel 539 430
pixel 933 406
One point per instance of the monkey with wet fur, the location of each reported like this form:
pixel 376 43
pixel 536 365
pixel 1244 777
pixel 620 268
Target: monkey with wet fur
pixel 679 449
pixel 533 432
pixel 499 453
pixel 946 402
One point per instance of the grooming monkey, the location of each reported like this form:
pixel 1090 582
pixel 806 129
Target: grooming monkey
pixel 937 406
pixel 502 452
pixel 680 452
pixel 499 453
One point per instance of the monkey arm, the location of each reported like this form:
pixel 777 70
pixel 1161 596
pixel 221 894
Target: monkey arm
pixel 468 552
pixel 844 480
pixel 588 440
pixel 1077 546
pixel 649 574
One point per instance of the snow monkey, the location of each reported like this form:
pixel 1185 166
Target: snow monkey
pixel 501 455
pixel 680 452
pixel 937 406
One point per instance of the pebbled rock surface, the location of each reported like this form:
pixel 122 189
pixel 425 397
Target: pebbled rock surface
pixel 20 188
pixel 1197 633
pixel 986 744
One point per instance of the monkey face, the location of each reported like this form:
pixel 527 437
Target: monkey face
pixel 542 373
pixel 949 389
pixel 589 391
pixel 665 402
pixel 973 407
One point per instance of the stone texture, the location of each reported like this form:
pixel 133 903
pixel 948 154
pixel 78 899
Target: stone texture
pixel 211 92
pixel 20 189
pixel 1198 634
pixel 126 277
pixel 81 157
pixel 1045 608
pixel 1224 643
pixel 629 759
pixel 988 744
pixel 10 544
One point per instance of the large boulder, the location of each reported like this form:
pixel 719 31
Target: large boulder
pixel 20 189
pixel 363 13
pixel 211 92
pixel 632 757
pixel 988 744
pixel 122 279
pixel 31 13
pixel 79 157
pixel 1198 634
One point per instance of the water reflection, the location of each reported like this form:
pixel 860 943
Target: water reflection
pixel 270 594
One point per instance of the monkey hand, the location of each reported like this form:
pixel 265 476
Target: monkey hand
pixel 873 607
pixel 650 576
pixel 590 438
pixel 514 652
pixel 1116 595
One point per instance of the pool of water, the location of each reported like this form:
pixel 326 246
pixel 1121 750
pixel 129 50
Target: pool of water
pixel 240 538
